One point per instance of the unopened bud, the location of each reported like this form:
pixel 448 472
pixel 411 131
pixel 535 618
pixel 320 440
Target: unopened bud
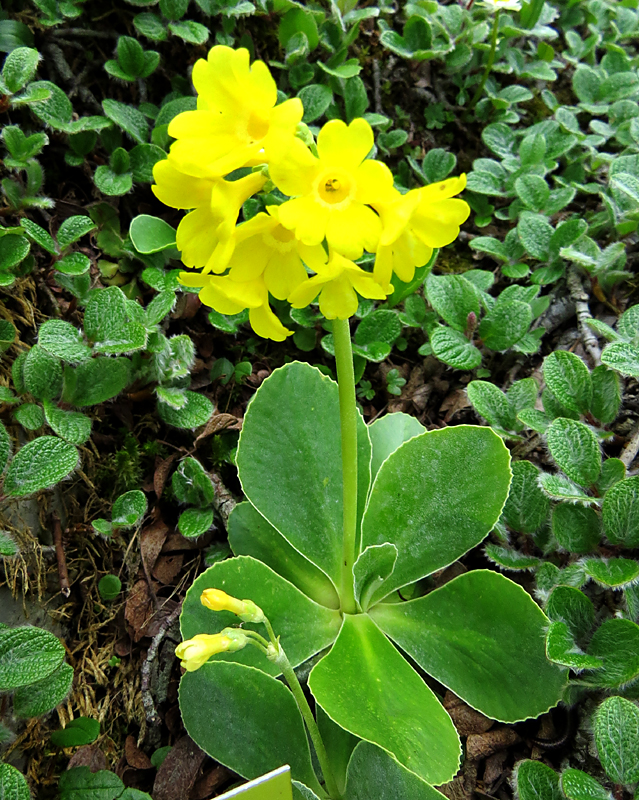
pixel 195 652
pixel 246 610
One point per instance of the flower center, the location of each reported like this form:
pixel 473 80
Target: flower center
pixel 334 187
pixel 257 126
pixel 280 239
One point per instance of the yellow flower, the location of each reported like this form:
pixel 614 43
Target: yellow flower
pixel 414 224
pixel 337 283
pixel 205 236
pixel 331 191
pixel 267 258
pixel 217 600
pixel 195 652
pixel 236 123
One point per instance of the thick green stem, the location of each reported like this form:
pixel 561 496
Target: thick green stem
pixel 348 427
pixel 490 62
pixel 291 678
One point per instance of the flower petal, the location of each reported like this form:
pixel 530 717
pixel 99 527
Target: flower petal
pixel 196 237
pixel 442 190
pixel 177 190
pixel 249 260
pixel 294 170
pixel 284 273
pixel 366 284
pixel 306 292
pixel 374 181
pixel 352 229
pixel 267 325
pixel 306 217
pixel 338 299
pixel 345 146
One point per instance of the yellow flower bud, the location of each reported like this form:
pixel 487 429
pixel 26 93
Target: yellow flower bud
pixel 195 652
pixel 217 600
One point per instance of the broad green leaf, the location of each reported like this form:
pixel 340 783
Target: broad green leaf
pixel 533 191
pixel 190 31
pixel 27 655
pixel 251 535
pixel 615 573
pixel 80 783
pixel 292 472
pixel 389 432
pixel 63 340
pixel 129 509
pixel 429 507
pixel 527 506
pixel 578 785
pixel 151 234
pixel 576 528
pixel 40 236
pixel 73 264
pixel 13 785
pixel 13 249
pixel 304 626
pixel 505 324
pixel 372 773
pixel 622 357
pixel 382 325
pixel 536 781
pixel 492 404
pixel 575 449
pixel 195 521
pixel 568 378
pixel 56 109
pixel 72 426
pixel 369 689
pixel 5 447
pixel 262 728
pixel 197 411
pixel 480 635
pixel 621 513
pixel 616 730
pixel 38 465
pixel 569 605
pixel 44 695
pixel 606 394
pixel 454 298
pixel 96 381
pixel 339 746
pixel 616 641
pixel 561 649
pixel 628 324
pixel 7 334
pixel 454 349
pixel 316 98
pixel 79 731
pixel 373 566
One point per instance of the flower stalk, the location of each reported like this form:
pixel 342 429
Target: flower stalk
pixel 348 427
pixel 491 60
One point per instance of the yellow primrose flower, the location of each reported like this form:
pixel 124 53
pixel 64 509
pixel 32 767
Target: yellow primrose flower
pixel 330 192
pixel 205 236
pixel 337 284
pixel 236 123
pixel 265 247
pixel 195 652
pixel 414 224
pixel 217 600
pixel 228 296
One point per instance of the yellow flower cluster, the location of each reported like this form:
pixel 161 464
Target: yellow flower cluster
pixel 341 202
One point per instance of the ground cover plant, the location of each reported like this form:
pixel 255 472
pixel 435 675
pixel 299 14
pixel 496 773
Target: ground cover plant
pixel 318 363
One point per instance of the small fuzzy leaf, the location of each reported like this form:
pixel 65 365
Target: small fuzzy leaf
pixel 568 378
pixel 561 649
pixel 81 730
pixel 195 521
pixel 40 464
pixel 578 785
pixel 505 324
pixel 72 426
pixel 616 641
pixel 454 349
pixel 558 487
pixel 196 412
pixel 73 229
pixel 576 528
pixel 454 298
pixel 536 781
pixel 492 404
pixel 13 785
pixel 27 655
pixel 129 509
pixel 571 606
pixel 132 121
pixel 621 513
pixel 615 573
pixel 42 696
pixel 606 394
pixel 616 730
pixel 622 357
pixel 575 449
pixel 527 506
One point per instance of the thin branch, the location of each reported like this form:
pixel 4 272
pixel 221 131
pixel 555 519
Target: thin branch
pixel 631 448
pixel 63 573
pixel 580 298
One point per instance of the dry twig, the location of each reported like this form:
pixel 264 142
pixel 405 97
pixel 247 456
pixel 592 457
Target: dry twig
pixel 63 573
pixel 580 297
